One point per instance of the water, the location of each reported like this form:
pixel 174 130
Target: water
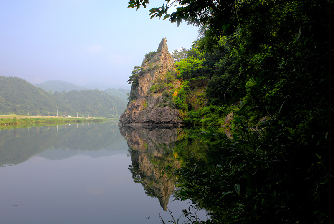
pixel 85 174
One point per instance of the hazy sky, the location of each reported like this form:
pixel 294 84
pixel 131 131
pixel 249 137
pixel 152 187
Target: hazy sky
pixel 81 41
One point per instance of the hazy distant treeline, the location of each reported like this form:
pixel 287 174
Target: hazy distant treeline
pixel 20 97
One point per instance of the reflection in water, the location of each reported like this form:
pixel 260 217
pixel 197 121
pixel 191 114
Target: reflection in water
pixel 18 145
pixel 80 174
pixel 240 183
pixel 153 162
pixel 235 180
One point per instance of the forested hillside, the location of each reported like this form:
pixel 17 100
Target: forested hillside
pixel 62 86
pixel 20 97
pixel 92 103
pixel 121 93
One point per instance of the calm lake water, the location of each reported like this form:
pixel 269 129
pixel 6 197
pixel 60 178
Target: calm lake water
pixel 85 173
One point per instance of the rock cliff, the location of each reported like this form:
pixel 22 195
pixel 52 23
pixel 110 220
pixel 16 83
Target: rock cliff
pixel 150 101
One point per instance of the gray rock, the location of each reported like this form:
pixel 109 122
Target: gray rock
pixel 149 108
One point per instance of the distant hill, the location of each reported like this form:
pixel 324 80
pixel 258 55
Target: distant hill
pixel 121 93
pixel 104 86
pixel 20 97
pixel 92 103
pixel 59 86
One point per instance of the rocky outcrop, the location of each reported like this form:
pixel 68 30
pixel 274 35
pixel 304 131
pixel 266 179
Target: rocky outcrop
pixel 153 161
pixel 147 107
pixel 146 111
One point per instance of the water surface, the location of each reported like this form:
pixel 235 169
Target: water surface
pixel 80 174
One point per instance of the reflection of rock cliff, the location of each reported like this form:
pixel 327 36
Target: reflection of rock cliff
pixel 153 161
pixel 152 88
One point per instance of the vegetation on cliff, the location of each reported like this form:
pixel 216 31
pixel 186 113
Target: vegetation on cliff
pixel 270 58
pixel 265 66
pixel 152 89
pixel 268 62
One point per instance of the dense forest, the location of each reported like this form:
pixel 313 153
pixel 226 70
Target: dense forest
pixel 263 69
pixel 121 93
pixel 20 97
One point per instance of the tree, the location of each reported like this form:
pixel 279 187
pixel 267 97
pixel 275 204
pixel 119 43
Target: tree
pixel 282 53
pixel 133 79
pixel 216 14
pixel 180 54
pixel 278 65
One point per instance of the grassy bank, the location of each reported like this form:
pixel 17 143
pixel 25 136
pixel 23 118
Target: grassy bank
pixel 22 121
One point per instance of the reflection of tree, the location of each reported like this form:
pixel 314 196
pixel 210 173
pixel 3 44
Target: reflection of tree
pixel 18 145
pixel 240 184
pixel 153 162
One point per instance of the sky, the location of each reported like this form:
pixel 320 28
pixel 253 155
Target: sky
pixel 81 41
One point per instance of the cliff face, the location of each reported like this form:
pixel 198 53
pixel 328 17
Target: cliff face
pixel 151 91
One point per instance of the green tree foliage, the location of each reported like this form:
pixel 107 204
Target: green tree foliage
pixel 20 97
pixel 92 103
pixel 277 62
pixel 120 93
pixel 271 63
pixel 180 54
pixel 136 72
pixel 164 84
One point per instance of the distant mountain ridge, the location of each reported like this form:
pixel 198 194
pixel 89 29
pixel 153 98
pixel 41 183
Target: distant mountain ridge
pixel 59 86
pixel 104 86
pixel 21 97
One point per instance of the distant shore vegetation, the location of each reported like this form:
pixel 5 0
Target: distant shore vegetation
pixel 22 121
pixel 18 96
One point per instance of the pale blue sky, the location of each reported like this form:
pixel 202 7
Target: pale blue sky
pixel 81 41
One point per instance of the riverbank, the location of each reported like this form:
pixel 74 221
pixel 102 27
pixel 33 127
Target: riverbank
pixel 22 121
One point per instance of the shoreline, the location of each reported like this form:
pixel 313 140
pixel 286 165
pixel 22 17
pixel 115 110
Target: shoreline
pixel 22 121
